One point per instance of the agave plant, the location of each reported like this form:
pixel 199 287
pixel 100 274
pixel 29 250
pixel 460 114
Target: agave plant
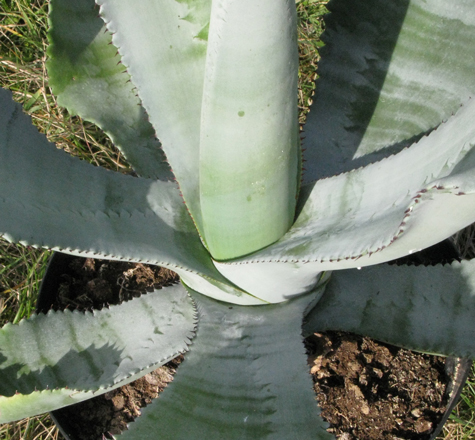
pixel 222 199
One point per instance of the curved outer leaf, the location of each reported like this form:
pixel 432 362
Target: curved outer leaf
pixel 85 73
pixel 249 148
pixel 60 202
pixel 390 72
pixel 169 75
pixel 221 291
pixel 387 210
pixel 67 351
pixel 245 377
pixel 430 309
pixel 21 406
pixel 276 281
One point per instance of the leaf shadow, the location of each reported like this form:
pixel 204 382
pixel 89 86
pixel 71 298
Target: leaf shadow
pixel 86 370
pixel 360 39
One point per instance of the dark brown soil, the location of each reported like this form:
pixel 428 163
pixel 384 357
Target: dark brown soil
pixel 93 284
pixel 367 390
pixel 110 413
pixel 373 391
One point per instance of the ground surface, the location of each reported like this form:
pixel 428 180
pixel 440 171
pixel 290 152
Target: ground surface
pixel 373 391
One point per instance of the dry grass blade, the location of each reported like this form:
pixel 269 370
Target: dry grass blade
pixel 33 428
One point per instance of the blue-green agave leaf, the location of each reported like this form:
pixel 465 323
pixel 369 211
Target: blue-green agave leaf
pixel 163 45
pixel 249 145
pixel 86 74
pixel 38 402
pixel 274 281
pixel 388 209
pixel 60 202
pixel 390 73
pixel 75 355
pixel 429 309
pixel 245 377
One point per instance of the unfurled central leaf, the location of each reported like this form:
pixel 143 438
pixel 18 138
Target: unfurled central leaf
pixel 249 146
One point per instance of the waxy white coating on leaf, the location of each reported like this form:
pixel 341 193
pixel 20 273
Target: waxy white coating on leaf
pixel 249 145
pixel 273 282
pixel 221 292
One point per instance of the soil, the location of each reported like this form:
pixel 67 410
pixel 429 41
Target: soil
pixel 374 391
pixel 367 390
pixel 110 413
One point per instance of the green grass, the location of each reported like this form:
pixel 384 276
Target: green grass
pixel 311 26
pixel 20 275
pixel 22 29
pixel 23 43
